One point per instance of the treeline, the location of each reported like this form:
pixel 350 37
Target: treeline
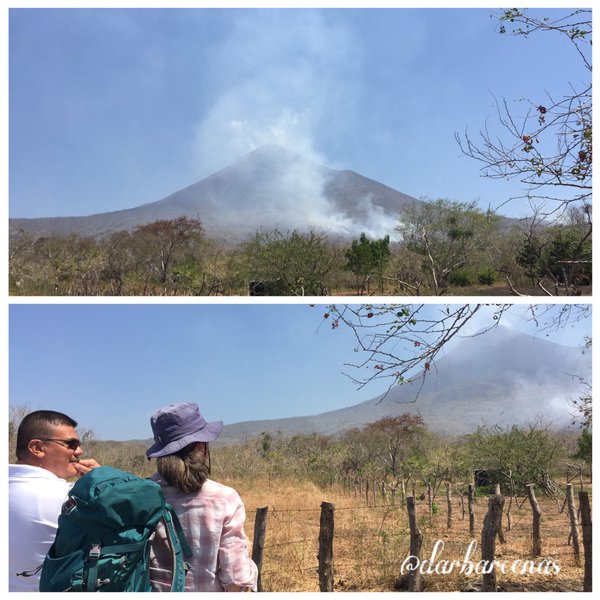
pixel 403 454
pixel 398 451
pixel 446 248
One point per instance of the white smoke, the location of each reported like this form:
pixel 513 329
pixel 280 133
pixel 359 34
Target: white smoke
pixel 289 75
pixel 286 74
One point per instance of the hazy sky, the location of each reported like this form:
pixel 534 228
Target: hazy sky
pixel 111 365
pixel 112 108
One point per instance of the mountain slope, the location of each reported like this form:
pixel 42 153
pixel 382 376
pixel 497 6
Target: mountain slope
pixel 266 189
pixel 502 377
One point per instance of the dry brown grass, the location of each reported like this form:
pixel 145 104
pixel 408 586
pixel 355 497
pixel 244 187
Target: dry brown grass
pixel 370 543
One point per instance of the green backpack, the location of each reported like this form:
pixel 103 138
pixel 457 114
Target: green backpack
pixel 104 534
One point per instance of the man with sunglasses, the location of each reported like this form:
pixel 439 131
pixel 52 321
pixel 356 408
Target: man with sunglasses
pixel 48 454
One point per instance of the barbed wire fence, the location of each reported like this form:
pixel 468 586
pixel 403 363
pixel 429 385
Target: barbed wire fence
pixel 375 546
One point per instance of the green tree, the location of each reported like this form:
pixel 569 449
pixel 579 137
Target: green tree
pixel 569 256
pixel 583 418
pixel 396 439
pixel 448 236
pixel 516 456
pixel 584 447
pixel 529 256
pixel 161 242
pixel 296 264
pixel 366 258
pixel 558 257
pixel 73 265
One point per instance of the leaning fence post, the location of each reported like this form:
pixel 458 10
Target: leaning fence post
pixel 471 509
pixel 416 540
pixel 325 555
pixel 573 520
pixel 449 502
pixel 536 549
pixel 586 527
pixel 491 526
pixel 501 536
pixel 258 542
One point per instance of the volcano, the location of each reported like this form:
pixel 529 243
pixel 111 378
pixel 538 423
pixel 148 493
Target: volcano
pixel 503 378
pixel 269 188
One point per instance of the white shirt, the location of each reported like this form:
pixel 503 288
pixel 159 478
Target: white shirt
pixel 35 498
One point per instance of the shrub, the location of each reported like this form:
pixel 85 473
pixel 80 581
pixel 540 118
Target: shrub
pixel 460 278
pixel 487 277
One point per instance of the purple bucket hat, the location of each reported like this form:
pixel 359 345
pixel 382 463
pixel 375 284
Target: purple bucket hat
pixel 177 425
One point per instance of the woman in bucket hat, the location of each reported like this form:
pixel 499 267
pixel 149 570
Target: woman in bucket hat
pixel 212 515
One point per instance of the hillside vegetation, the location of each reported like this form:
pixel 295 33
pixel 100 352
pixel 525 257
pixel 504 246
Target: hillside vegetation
pixel 447 248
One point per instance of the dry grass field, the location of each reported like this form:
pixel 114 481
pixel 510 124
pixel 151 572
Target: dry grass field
pixel 370 542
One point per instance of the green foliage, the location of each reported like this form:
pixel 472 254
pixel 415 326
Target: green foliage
pixel 565 246
pixel 450 238
pixel 529 257
pixel 516 455
pixel 561 252
pixel 444 244
pixel 391 441
pixel 366 258
pixel 583 418
pixel 299 264
pixel 487 276
pixel 160 258
pixel 584 447
pixel 460 279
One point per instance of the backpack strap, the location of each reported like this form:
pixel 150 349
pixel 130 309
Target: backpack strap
pixel 93 556
pixel 96 551
pixel 187 552
pixel 174 533
pixel 32 572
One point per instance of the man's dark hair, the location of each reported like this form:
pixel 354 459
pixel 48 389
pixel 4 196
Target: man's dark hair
pixel 39 424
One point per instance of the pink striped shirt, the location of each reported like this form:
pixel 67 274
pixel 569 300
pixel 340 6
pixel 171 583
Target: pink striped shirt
pixel 213 522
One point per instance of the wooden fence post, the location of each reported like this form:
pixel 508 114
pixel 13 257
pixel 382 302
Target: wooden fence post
pixel 573 520
pixel 258 542
pixel 430 497
pixel 416 540
pixel 471 509
pixel 536 549
pixel 449 502
pixel 586 527
pixel 501 536
pixel 325 555
pixel 491 525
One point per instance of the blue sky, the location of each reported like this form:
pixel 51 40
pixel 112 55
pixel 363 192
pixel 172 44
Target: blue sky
pixel 113 108
pixel 111 365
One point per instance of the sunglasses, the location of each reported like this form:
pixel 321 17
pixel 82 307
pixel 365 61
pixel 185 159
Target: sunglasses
pixel 71 444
